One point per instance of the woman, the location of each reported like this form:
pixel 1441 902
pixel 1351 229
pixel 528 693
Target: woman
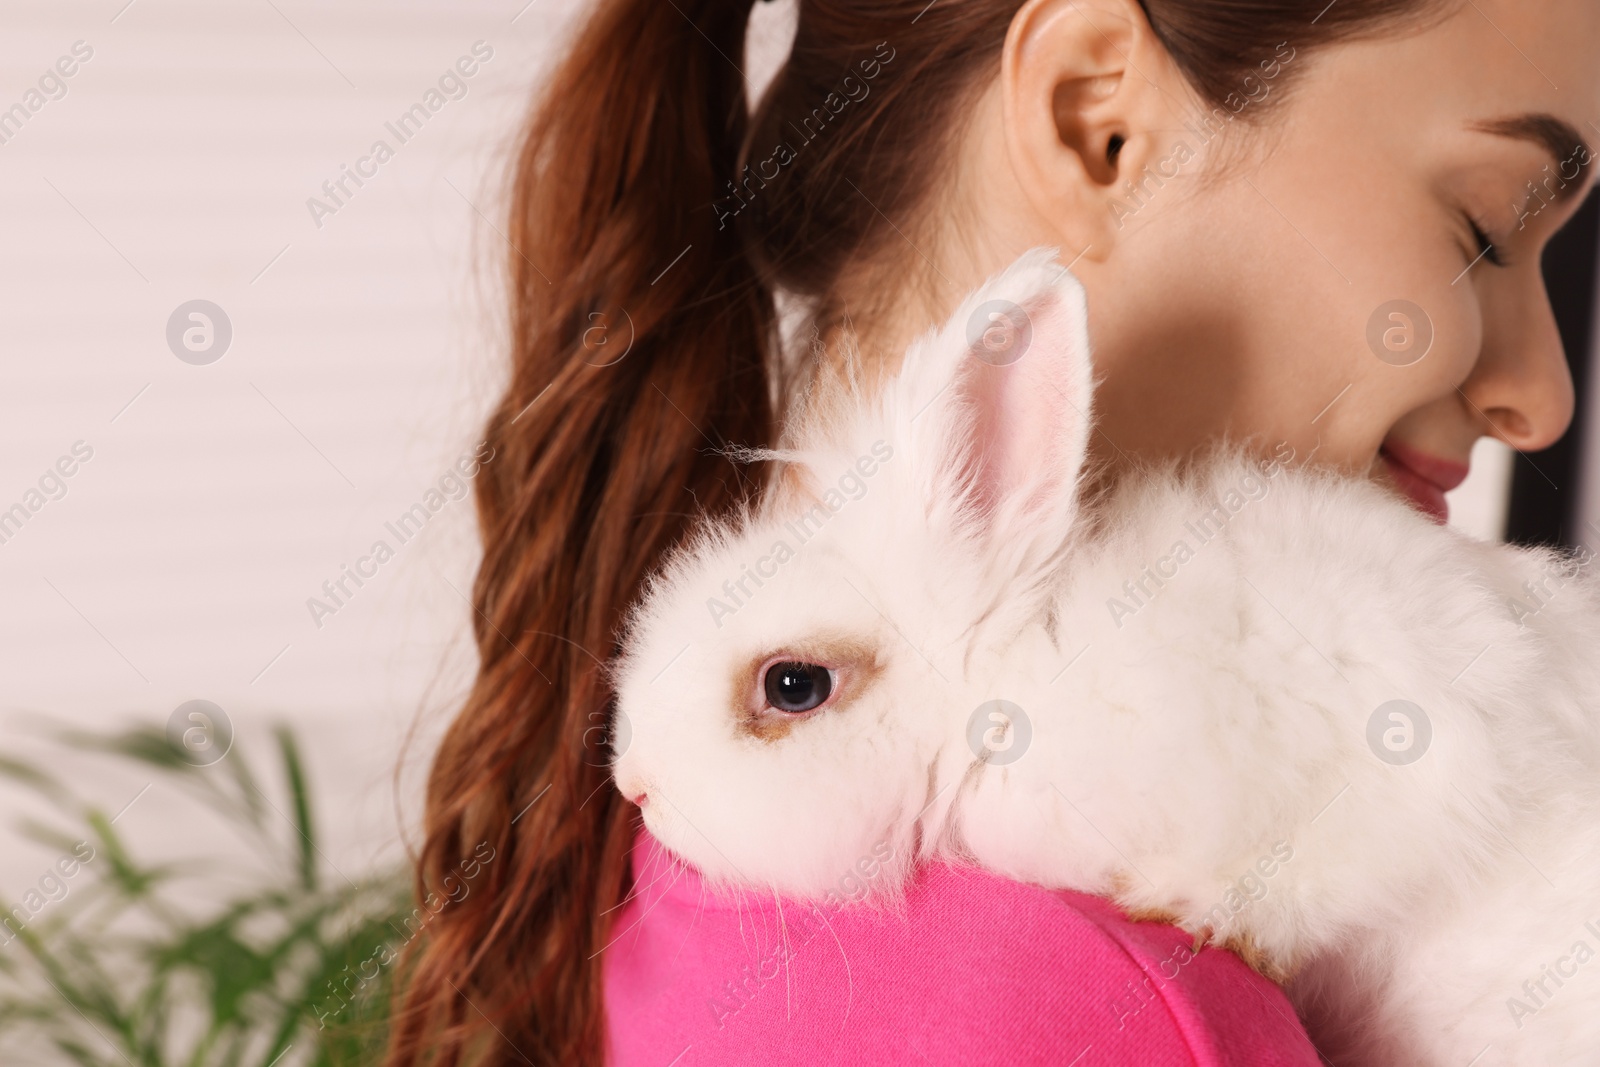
pixel 1308 225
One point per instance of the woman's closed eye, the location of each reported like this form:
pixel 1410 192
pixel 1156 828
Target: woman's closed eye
pixel 1486 246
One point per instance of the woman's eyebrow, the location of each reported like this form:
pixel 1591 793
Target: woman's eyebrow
pixel 1556 136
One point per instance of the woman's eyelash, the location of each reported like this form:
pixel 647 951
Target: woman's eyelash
pixel 1487 249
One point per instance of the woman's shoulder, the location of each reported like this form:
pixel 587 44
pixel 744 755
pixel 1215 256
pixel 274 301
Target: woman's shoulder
pixel 970 969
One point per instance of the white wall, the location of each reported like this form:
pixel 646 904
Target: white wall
pixel 1478 505
pixel 364 355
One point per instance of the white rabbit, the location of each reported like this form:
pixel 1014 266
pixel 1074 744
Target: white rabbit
pixel 1199 676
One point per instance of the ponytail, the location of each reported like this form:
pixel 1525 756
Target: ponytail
pixel 639 338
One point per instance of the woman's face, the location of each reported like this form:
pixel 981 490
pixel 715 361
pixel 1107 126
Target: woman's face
pixel 1328 289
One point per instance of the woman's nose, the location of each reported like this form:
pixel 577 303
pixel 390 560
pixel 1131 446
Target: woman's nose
pixel 1521 384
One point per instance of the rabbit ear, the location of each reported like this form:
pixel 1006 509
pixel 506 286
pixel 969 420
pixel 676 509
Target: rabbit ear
pixel 999 408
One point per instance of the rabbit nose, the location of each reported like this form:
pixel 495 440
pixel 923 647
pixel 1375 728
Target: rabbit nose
pixel 634 792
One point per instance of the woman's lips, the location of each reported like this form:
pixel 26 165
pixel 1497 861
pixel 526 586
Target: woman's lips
pixel 1423 477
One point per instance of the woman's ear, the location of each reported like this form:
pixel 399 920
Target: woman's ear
pixel 1085 89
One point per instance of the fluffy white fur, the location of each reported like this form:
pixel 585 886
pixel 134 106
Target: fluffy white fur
pixel 1173 748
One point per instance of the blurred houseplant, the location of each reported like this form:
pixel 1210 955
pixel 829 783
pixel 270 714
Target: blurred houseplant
pixel 112 963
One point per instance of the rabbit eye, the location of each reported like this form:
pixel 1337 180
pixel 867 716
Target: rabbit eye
pixel 797 687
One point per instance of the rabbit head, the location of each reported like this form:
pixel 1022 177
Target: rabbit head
pixel 795 684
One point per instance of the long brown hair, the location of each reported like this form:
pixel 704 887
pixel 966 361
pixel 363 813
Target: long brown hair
pixel 649 229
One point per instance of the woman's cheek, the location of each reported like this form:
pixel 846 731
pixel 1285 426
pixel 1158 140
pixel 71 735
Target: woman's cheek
pixel 1457 319
pixel 1446 335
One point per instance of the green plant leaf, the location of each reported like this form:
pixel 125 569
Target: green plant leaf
pixel 129 957
pixel 294 772
pixel 35 778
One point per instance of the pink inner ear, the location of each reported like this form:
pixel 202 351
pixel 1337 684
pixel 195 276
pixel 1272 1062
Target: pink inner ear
pixel 1030 423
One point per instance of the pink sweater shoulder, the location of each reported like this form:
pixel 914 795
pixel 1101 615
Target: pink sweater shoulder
pixel 974 970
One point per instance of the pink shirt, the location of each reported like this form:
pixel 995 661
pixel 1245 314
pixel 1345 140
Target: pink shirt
pixel 977 970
